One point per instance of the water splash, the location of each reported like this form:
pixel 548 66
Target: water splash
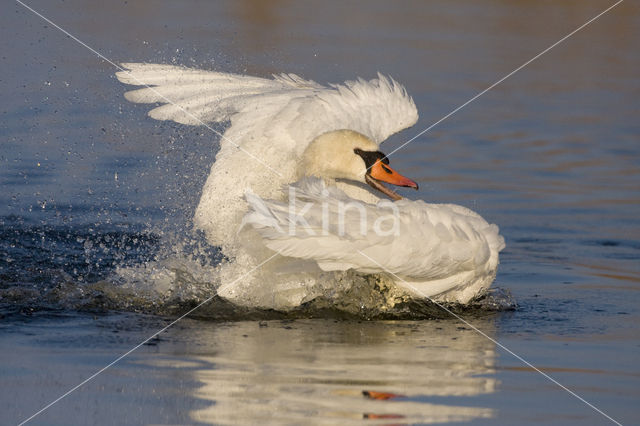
pixel 130 268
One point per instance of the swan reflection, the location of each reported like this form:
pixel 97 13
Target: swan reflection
pixel 346 372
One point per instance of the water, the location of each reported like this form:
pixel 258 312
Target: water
pixel 97 200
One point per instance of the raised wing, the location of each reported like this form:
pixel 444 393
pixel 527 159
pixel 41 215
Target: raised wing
pixel 197 97
pixel 377 108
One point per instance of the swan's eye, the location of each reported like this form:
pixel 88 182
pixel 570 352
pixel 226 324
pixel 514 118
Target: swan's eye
pixel 370 158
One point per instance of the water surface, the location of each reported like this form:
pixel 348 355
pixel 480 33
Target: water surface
pixel 97 198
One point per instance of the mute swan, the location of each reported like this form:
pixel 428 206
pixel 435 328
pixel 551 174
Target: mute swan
pixel 322 143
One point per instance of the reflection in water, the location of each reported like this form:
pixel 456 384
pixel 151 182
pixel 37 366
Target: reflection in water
pixel 291 371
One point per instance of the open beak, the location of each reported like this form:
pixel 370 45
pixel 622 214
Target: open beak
pixel 381 172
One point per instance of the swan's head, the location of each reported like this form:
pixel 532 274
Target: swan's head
pixel 345 154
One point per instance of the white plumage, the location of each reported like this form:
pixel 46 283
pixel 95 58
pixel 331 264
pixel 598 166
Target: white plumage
pixel 442 251
pixel 434 249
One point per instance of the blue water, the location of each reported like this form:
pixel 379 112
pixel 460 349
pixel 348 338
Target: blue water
pixel 92 187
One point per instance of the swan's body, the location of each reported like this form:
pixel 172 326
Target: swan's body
pixel 294 130
pixel 435 249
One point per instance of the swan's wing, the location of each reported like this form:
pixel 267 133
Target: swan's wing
pixel 196 97
pixel 411 239
pixel 272 122
pixel 377 108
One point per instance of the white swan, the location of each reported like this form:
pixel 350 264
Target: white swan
pixel 287 129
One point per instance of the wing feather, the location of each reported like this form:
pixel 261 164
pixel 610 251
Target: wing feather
pixel 377 108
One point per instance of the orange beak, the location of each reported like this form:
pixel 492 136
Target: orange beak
pixel 381 172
